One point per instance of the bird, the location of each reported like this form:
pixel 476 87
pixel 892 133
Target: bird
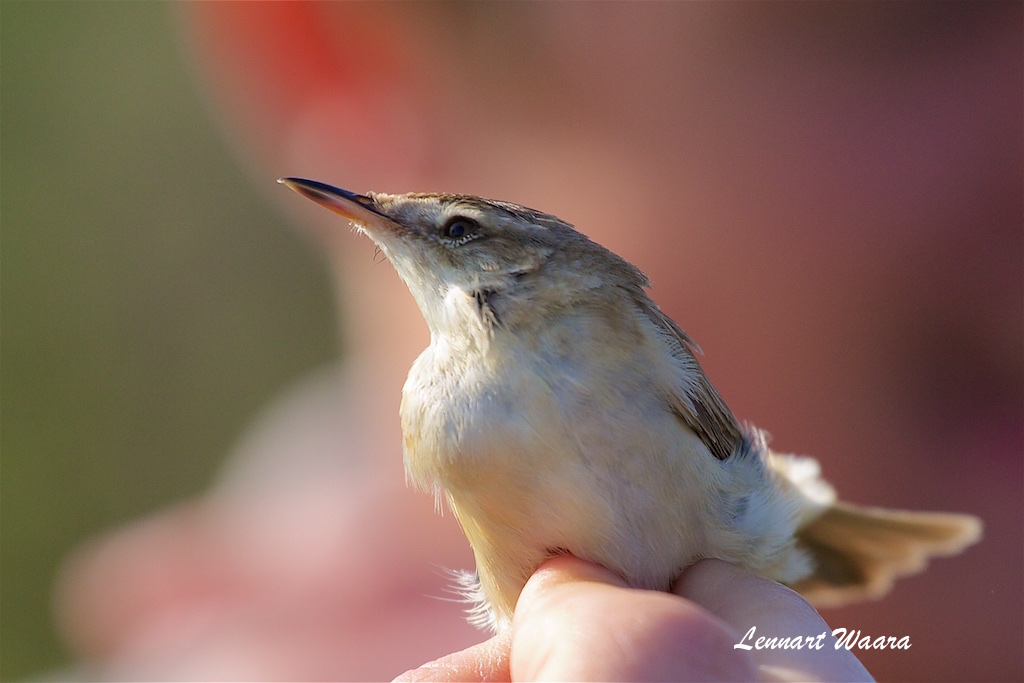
pixel 557 409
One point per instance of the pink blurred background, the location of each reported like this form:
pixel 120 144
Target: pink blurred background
pixel 827 197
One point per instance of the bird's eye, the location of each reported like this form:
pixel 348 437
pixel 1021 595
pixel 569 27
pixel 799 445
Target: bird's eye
pixel 459 227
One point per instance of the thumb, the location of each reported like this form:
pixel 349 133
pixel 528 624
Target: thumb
pixel 579 621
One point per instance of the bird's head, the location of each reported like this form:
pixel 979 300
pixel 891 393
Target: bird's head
pixel 454 250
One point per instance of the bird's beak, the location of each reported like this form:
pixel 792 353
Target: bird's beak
pixel 357 208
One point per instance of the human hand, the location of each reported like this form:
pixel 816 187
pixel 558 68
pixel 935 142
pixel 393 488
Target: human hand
pixel 578 621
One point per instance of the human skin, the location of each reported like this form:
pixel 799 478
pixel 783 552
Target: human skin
pixel 578 621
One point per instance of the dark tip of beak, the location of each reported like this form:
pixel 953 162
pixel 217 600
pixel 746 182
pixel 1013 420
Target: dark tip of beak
pixel 328 195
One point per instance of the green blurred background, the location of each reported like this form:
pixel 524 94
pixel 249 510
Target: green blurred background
pixel 152 300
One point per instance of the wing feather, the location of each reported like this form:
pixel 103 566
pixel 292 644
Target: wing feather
pixel 695 402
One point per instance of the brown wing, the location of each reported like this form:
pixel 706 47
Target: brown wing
pixel 696 403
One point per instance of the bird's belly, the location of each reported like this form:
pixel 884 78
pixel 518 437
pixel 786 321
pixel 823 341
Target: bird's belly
pixel 537 463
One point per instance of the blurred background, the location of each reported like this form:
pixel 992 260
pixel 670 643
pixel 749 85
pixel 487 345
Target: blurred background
pixel 827 197
pixel 152 298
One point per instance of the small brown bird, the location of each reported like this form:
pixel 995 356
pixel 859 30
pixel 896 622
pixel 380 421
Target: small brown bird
pixel 557 409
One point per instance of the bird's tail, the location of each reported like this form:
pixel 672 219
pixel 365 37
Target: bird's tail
pixel 858 551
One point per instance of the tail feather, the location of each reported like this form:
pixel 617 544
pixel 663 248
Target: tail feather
pixel 858 552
